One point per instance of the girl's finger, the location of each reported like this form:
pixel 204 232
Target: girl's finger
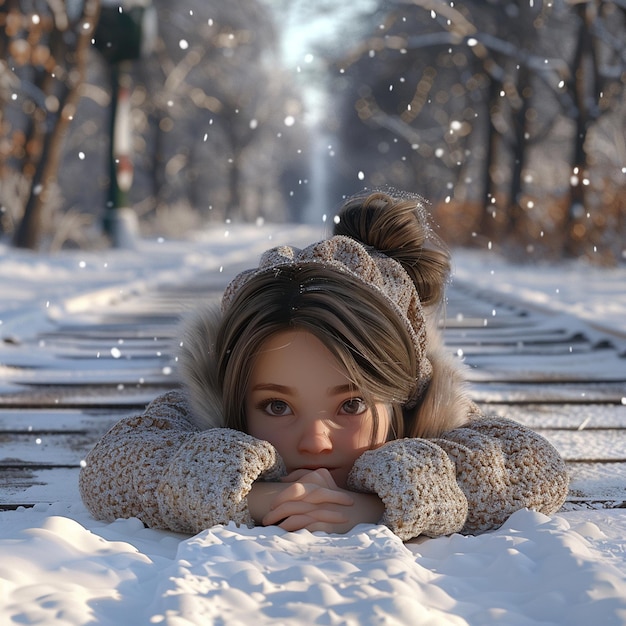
pixel 312 494
pixel 295 475
pixel 321 477
pixel 298 522
pixel 296 509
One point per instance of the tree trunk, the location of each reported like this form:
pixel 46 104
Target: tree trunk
pixel 487 223
pixel 585 89
pixel 29 231
pixel 516 212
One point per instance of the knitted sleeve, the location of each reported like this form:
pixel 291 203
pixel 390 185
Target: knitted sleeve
pixel 469 480
pixel 160 468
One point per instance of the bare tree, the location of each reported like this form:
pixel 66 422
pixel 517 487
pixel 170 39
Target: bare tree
pixel 44 65
pixel 596 78
pixel 430 72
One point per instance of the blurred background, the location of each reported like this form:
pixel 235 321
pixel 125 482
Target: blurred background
pixel 162 118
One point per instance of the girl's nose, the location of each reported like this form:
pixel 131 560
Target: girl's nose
pixel 315 438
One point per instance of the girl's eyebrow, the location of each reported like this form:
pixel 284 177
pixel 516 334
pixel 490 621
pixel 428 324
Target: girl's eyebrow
pixel 273 387
pixel 341 389
pixel 332 391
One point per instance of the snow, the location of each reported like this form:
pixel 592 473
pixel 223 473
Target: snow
pixel 595 294
pixel 59 566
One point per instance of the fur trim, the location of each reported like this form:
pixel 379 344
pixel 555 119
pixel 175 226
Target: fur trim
pixel 445 404
pixel 198 367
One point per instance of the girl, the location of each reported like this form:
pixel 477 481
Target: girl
pixel 320 397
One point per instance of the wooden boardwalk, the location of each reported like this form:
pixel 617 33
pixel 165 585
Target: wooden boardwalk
pixel 62 388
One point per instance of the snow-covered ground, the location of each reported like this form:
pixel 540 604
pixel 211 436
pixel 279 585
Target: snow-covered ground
pixel 595 294
pixel 58 566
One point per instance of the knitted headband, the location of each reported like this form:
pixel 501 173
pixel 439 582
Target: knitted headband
pixel 368 266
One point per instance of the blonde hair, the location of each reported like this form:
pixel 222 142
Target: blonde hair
pixel 355 323
pixel 373 348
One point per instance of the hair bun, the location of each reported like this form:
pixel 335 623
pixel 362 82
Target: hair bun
pixel 399 227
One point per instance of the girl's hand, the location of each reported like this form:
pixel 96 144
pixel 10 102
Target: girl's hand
pixel 314 502
pixel 316 488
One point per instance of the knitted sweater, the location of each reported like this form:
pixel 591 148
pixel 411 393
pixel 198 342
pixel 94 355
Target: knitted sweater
pixel 165 470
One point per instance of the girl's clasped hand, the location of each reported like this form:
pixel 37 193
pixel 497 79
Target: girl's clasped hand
pixel 312 500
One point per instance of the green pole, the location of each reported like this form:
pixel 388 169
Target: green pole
pixel 113 199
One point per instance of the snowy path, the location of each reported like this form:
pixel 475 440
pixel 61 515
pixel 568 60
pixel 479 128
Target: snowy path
pixel 96 359
pixel 79 353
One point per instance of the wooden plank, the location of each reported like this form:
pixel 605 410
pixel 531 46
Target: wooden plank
pixel 132 324
pixel 72 354
pixel 112 332
pixel 153 311
pixel 468 329
pixel 586 417
pixel 45 450
pixel 106 355
pixel 535 393
pixel 521 348
pixel 108 371
pixel 607 445
pixel 81 396
pixel 460 323
pixel 596 366
pixel 49 421
pixel 63 341
pixel 33 485
pixel 462 296
pixel 597 482
pixel 542 336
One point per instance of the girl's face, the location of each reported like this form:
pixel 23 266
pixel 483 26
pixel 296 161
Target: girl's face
pixel 301 401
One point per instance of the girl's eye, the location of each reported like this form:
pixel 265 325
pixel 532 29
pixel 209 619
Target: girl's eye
pixel 354 406
pixel 276 407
